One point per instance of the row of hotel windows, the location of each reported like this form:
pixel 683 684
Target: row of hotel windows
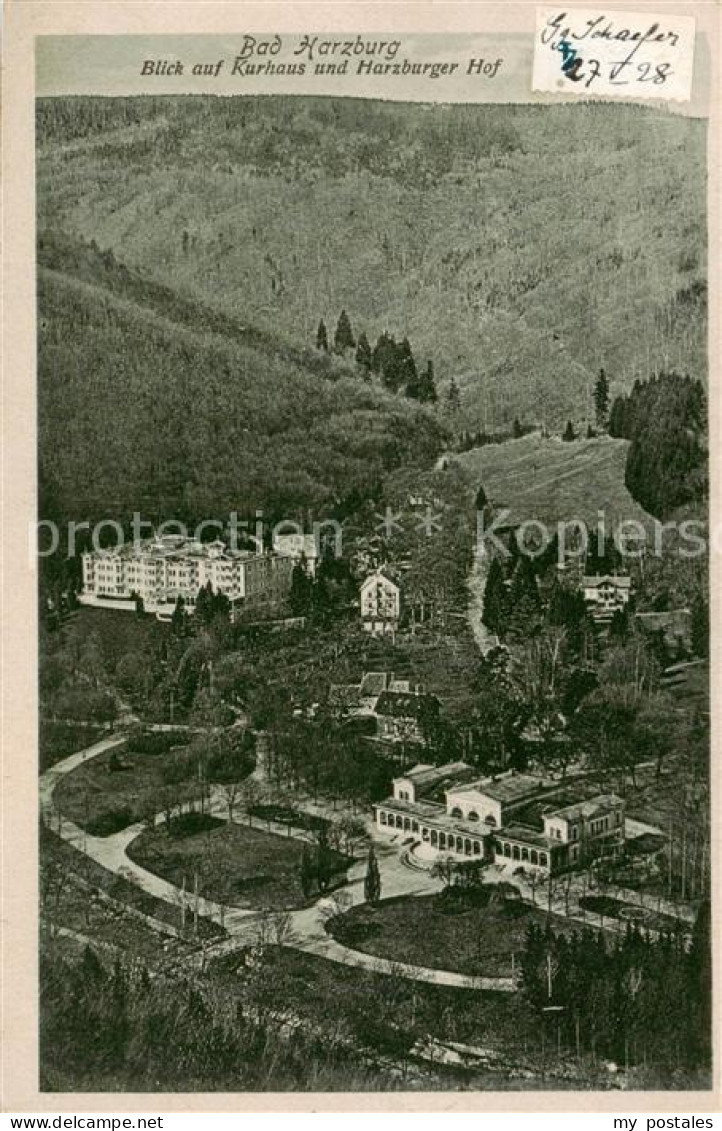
pixel 472 815
pixel 458 843
pixel 436 839
pixel 514 852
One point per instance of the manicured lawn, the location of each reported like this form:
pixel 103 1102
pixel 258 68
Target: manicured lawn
pixel 445 932
pixel 237 865
pixel 104 800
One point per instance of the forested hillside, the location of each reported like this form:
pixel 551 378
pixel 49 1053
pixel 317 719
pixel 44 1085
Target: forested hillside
pixel 520 248
pixel 151 403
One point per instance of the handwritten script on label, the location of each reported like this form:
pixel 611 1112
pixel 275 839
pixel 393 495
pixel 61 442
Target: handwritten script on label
pixel 627 54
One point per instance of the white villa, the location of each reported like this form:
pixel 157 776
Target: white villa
pixel 159 570
pixel 606 594
pixel 380 604
pixel 462 816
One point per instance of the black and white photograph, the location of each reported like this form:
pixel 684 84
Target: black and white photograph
pixel 372 566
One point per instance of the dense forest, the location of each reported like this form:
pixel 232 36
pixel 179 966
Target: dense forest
pixel 643 1000
pixel 666 420
pixel 151 402
pixel 455 227
pixel 171 1033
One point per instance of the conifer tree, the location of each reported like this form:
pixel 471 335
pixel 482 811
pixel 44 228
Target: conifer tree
pixel 619 422
pixel 390 363
pixel 363 352
pixel 569 434
pixel 408 376
pixel 307 872
pixel 343 339
pixel 300 596
pixel 524 602
pixel 178 619
pixel 372 880
pixel 322 337
pixel 324 861
pixel 601 398
pixel 425 385
pixel 496 600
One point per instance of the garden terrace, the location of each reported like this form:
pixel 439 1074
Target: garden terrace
pixel 605 906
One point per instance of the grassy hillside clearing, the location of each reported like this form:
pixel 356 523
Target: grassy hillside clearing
pixel 549 480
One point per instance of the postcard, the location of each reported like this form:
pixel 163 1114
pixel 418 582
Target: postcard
pixel 359 556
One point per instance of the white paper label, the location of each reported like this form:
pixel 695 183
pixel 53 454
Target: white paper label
pixel 606 52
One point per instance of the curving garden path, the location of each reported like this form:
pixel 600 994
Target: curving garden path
pixel 302 929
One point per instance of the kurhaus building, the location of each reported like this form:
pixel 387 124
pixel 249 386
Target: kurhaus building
pixel 159 570
pixel 514 820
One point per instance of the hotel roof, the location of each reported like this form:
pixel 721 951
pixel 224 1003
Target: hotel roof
pixel 506 789
pixel 594 580
pixel 527 836
pixel 601 803
pixel 405 704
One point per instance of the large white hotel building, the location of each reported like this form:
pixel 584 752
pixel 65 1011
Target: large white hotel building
pixel 159 570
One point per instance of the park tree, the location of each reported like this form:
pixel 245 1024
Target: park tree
pixel 568 435
pixel 343 338
pixel 603 731
pixel 322 337
pixel 601 398
pixel 517 429
pixel 372 881
pixel 500 712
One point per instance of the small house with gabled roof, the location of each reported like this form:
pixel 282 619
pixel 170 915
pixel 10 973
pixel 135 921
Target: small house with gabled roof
pixel 380 597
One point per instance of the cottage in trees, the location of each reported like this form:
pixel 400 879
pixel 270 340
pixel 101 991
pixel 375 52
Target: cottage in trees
pixel 380 604
pixel 406 716
pixel 362 698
